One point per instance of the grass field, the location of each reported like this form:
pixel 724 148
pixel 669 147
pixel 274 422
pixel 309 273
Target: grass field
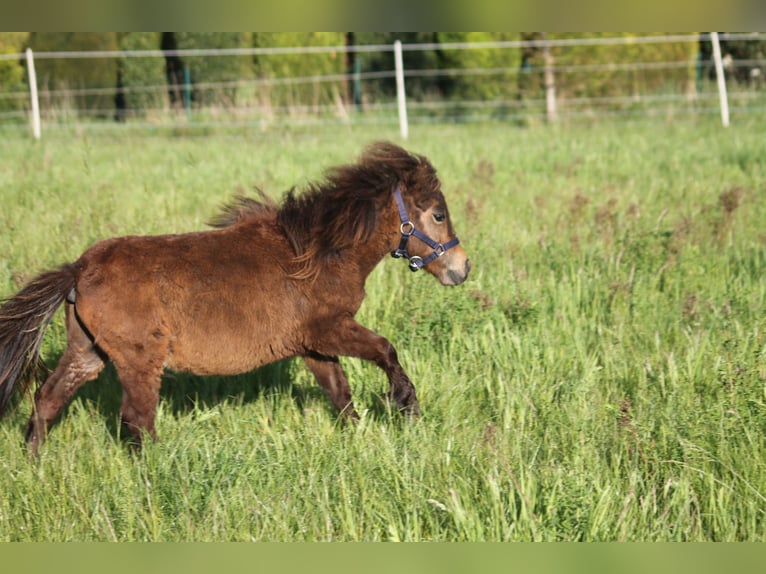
pixel 600 376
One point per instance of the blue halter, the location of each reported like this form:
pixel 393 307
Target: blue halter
pixel 408 229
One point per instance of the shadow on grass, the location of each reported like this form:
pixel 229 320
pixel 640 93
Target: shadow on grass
pixel 183 393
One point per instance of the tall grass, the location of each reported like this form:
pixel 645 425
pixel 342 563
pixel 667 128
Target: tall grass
pixel 601 376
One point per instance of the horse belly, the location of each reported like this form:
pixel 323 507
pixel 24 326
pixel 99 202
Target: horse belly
pixel 227 347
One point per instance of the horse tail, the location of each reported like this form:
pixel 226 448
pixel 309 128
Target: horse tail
pixel 23 321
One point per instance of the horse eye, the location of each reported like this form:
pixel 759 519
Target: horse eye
pixel 439 217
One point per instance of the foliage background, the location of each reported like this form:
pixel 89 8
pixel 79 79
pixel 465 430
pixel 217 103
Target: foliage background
pixel 230 82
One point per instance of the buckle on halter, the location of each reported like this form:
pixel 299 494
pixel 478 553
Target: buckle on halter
pixel 439 250
pixel 415 263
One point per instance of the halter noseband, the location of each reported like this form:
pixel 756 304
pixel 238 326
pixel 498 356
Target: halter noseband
pixel 408 229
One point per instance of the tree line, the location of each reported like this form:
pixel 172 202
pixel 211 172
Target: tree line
pixel 146 83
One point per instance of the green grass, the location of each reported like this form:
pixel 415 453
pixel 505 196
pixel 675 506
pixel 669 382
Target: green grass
pixel 601 376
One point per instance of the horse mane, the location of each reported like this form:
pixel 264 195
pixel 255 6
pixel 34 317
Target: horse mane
pixel 340 211
pixel 244 208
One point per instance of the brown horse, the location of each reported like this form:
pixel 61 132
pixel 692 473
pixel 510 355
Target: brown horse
pixel 271 282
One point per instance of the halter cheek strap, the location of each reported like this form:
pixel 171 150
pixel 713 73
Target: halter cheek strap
pixel 408 229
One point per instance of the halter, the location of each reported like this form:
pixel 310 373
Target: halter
pixel 407 229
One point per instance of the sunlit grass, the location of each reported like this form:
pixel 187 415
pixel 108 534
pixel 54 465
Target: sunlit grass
pixel 601 376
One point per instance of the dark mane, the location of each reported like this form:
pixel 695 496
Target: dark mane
pixel 342 210
pixel 244 208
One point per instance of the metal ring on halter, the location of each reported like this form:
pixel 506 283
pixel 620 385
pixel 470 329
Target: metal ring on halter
pixel 410 231
pixel 439 250
pixel 415 263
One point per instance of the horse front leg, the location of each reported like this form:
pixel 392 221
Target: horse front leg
pixel 330 376
pixel 350 339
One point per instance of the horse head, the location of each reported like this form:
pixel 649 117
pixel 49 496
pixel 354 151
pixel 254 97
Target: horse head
pixel 426 236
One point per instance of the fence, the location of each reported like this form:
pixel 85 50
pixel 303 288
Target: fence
pixel 678 86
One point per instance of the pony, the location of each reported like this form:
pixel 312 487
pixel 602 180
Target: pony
pixel 268 282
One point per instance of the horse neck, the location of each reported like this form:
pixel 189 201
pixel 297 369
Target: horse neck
pixel 368 255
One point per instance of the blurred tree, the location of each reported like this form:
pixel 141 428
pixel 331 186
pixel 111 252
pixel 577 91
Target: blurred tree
pixel 601 78
pixel 743 59
pixel 281 66
pixel 418 87
pixel 12 72
pixel 214 78
pixel 499 66
pixel 60 75
pixel 174 69
pixel 140 80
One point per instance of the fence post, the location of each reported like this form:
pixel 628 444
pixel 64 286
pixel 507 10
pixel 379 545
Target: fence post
pixel 187 90
pixel 721 79
pixel 550 83
pixel 400 97
pixel 33 94
pixel 357 83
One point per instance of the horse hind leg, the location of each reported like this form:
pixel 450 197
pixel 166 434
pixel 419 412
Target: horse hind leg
pixel 80 363
pixel 140 395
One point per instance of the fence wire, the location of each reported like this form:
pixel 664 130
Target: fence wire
pixel 250 104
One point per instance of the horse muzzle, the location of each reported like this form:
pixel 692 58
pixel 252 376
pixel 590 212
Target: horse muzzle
pixel 455 276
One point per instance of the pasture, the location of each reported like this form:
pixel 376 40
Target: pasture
pixel 600 376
